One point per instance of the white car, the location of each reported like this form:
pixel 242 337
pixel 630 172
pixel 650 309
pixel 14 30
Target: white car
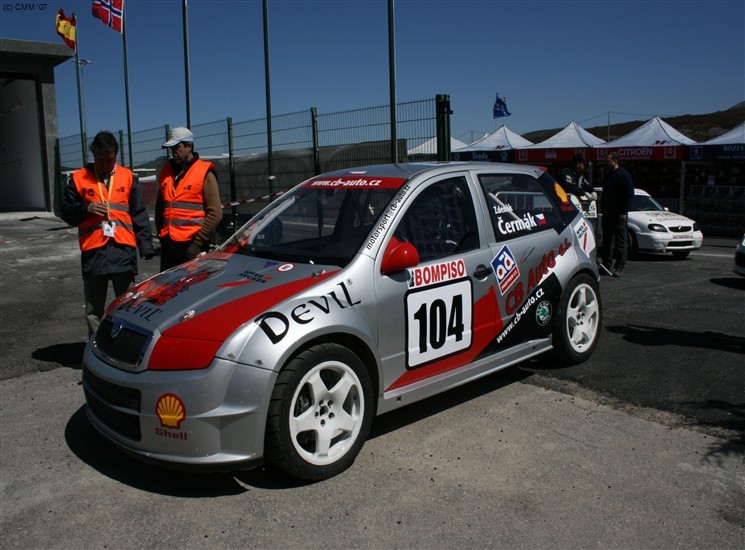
pixel 653 228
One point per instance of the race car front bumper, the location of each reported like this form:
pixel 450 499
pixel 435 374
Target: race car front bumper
pixel 213 417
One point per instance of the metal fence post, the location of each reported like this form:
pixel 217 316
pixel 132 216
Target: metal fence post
pixel 316 146
pixel 231 164
pixel 121 147
pixel 442 102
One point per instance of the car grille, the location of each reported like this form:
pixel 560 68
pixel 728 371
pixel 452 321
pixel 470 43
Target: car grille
pixel 125 348
pixel 97 390
pixel 680 229
pixel 679 244
pixel 740 259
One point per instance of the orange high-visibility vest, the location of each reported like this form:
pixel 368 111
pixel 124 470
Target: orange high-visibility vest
pixel 183 206
pixel 90 231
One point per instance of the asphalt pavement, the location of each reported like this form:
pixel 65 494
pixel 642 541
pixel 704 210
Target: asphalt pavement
pixel 642 446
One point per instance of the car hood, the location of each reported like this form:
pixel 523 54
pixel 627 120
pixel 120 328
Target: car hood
pixel 212 296
pixel 664 218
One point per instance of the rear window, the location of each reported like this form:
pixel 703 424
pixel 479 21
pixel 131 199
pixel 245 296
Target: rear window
pixel 518 205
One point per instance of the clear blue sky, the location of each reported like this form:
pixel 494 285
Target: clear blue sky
pixel 554 61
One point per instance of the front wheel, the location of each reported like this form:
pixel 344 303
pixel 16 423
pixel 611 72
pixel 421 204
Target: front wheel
pixel 577 325
pixel 320 413
pixel 681 254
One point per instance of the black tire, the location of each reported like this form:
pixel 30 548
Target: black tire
pixel 320 413
pixel 681 254
pixel 578 322
pixel 633 246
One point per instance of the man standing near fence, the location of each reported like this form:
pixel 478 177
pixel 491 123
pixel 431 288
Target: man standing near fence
pixel 103 201
pixel 188 208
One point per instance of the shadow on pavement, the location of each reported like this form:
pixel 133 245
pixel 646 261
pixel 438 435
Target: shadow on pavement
pixel 68 355
pixel 738 283
pixel 420 410
pixel 656 336
pixel 99 454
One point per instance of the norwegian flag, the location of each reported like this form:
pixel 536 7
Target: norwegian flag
pixel 111 12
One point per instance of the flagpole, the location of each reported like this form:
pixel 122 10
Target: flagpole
pixel 392 80
pixel 80 95
pixel 267 84
pixel 126 90
pixel 184 9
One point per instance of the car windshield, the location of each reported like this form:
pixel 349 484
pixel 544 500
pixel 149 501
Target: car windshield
pixel 645 203
pixel 313 225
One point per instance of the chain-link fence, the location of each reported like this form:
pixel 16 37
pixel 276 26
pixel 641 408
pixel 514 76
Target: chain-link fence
pixel 303 144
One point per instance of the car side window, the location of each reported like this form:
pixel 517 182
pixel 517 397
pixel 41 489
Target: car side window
pixel 441 221
pixel 517 205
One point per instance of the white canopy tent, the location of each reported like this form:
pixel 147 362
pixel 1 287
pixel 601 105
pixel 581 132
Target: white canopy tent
pixel 429 147
pixel 572 136
pixel 560 147
pixel 735 136
pixel 653 133
pixel 502 139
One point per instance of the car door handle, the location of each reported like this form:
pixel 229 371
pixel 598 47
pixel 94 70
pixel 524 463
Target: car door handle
pixel 482 272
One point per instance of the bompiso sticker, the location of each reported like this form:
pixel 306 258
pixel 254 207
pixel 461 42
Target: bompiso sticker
pixel 543 313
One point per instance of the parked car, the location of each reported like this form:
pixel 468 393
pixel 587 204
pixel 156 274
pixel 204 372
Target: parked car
pixel 654 229
pixel 740 257
pixel 355 293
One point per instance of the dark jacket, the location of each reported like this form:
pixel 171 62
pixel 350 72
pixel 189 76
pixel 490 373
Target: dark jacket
pixel 112 257
pixel 618 192
pixel 574 182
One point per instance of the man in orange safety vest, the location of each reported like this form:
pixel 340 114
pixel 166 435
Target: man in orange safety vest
pixel 188 208
pixel 104 202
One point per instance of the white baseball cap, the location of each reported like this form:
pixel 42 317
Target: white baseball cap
pixel 178 135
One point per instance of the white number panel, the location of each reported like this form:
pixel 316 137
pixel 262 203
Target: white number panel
pixel 439 321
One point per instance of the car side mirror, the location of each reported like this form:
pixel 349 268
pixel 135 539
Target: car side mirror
pixel 398 256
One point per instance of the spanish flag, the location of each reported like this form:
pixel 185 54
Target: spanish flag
pixel 66 28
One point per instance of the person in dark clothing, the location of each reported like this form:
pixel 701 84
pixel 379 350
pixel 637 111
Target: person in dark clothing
pixel 618 193
pixel 104 202
pixel 572 179
pixel 188 208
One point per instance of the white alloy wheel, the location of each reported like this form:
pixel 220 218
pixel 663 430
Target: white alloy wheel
pixel 326 413
pixel 320 412
pixel 578 324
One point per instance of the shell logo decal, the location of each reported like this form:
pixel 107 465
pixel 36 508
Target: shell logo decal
pixel 170 410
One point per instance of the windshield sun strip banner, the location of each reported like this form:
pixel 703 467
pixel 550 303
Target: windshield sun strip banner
pixel 355 181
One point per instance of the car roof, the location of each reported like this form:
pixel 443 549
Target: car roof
pixel 408 170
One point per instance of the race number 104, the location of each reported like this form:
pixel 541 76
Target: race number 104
pixel 439 321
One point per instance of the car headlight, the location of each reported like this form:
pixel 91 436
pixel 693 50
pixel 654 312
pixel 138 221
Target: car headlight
pixel 695 226
pixel 657 227
pixel 742 242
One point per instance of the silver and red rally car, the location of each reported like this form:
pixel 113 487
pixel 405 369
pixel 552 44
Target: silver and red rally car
pixel 357 292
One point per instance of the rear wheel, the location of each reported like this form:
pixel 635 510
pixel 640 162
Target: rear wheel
pixel 320 413
pixel 577 326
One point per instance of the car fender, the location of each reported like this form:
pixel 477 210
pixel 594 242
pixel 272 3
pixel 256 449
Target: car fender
pixel 273 337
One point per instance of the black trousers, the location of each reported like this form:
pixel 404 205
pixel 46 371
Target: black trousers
pixel 615 241
pixel 173 253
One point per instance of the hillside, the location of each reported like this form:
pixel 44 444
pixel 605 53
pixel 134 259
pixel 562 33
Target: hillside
pixel 697 127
